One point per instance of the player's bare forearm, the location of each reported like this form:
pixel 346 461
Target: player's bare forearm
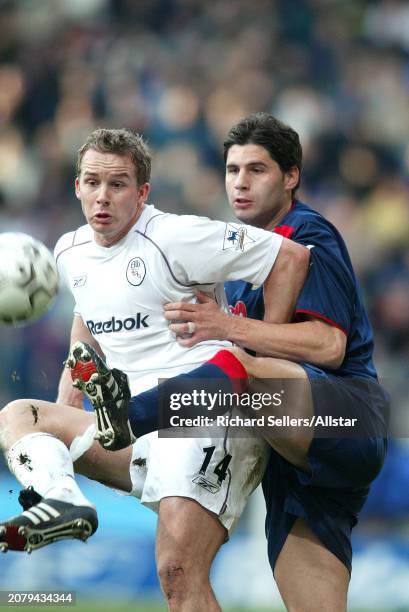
pixel 313 341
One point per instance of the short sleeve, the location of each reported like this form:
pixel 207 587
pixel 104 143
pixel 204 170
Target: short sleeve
pixel 329 285
pixel 62 245
pixel 203 251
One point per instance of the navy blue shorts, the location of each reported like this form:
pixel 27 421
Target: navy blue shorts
pixel 331 496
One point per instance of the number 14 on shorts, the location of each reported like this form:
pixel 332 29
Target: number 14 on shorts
pixel 205 477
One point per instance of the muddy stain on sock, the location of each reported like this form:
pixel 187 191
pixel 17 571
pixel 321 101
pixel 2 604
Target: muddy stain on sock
pixel 26 461
pixel 139 462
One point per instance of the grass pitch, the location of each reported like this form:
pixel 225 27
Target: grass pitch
pixel 84 605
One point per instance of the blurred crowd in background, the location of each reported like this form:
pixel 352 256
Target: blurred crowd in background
pixel 182 72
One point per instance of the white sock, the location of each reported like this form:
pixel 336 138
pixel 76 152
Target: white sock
pixel 42 461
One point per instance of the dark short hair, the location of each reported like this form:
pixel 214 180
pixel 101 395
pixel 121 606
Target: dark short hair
pixel 120 142
pixel 279 139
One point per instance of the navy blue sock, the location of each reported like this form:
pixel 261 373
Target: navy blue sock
pixel 150 410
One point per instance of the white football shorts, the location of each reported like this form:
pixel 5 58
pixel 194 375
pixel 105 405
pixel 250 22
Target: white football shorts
pixel 218 473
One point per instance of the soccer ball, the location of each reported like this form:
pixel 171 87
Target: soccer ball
pixel 28 278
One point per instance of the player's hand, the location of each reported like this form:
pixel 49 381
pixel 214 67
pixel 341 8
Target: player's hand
pixel 193 323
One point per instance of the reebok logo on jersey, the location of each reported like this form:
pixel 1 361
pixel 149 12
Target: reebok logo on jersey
pixel 79 281
pixel 113 324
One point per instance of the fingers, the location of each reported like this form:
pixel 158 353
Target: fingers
pixel 186 333
pixel 186 327
pixel 187 342
pixel 192 323
pixel 177 316
pixel 177 312
pixel 184 337
pixel 191 327
pixel 183 307
pixel 202 297
pixel 180 306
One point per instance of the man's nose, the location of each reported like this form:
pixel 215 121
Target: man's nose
pixel 241 180
pixel 103 194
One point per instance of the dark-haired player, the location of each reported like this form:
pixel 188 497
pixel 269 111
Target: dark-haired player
pixel 316 481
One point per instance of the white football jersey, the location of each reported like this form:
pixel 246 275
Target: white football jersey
pixel 120 290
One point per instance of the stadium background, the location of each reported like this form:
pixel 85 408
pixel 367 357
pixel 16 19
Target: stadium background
pixel 181 72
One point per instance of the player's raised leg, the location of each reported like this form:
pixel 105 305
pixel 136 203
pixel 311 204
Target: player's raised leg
pixel 36 437
pixel 118 421
pixel 272 374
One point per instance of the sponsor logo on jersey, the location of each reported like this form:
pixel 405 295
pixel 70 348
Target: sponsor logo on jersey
pixel 236 237
pixel 135 272
pixel 113 325
pixel 79 281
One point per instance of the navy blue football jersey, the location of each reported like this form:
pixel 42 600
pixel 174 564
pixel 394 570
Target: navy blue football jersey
pixel 331 291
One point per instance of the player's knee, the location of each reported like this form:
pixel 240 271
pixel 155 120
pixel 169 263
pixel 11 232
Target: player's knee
pixel 18 411
pixel 12 410
pixel 173 579
pixel 177 570
pixel 11 415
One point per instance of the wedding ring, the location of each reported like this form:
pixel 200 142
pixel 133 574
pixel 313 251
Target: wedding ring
pixel 191 327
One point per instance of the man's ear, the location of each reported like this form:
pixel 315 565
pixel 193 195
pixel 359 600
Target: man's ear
pixel 291 178
pixel 144 191
pixel 77 188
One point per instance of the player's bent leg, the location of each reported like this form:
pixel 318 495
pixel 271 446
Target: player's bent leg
pixel 268 375
pixel 27 416
pixel 36 437
pixel 188 538
pixel 24 417
pixel 119 418
pixel 310 578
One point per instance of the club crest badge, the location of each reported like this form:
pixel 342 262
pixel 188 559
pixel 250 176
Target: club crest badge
pixel 136 271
